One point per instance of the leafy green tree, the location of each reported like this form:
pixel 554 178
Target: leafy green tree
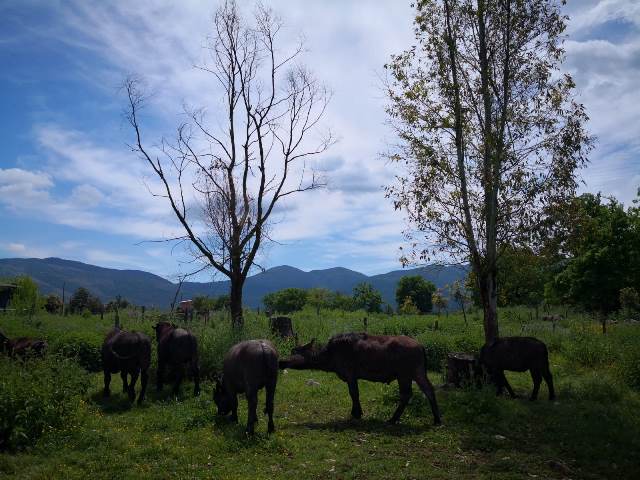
pixel 340 301
pixel 491 137
pixel 222 302
pixel 418 289
pixel 629 300
pixel 521 277
pixel 285 301
pixel 367 298
pixel 461 297
pixel 82 300
pixel 603 256
pixel 202 304
pixel 25 298
pixel 53 304
pixel 439 301
pixel 318 298
pixel 408 307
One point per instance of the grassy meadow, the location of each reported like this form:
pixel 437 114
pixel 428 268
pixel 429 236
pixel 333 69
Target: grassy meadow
pixel 59 426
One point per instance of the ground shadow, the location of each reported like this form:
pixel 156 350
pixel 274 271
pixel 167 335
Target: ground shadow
pixel 370 425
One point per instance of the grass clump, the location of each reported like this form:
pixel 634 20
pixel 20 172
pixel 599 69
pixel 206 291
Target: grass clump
pixel 38 396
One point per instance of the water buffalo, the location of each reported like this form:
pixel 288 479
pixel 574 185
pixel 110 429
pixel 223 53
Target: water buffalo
pixel 378 358
pixel 517 354
pixel 22 346
pixel 130 354
pixel 248 367
pixel 177 346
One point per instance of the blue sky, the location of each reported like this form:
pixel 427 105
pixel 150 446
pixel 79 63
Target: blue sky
pixel 69 186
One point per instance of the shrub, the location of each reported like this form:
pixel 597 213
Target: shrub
pixel 628 367
pixel 37 397
pixel 82 347
pixel 595 387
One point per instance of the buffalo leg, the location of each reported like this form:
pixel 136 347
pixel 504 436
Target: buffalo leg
pixel 270 394
pixel 179 370
pixel 144 378
pixel 107 381
pixel 132 385
pixel 125 387
pixel 549 381
pixel 356 409
pixel 405 396
pixel 234 408
pixel 195 371
pixel 159 374
pixel 505 383
pixel 536 376
pixel 426 387
pixel 252 417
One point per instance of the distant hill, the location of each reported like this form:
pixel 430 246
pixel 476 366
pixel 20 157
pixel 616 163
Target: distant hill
pixel 143 288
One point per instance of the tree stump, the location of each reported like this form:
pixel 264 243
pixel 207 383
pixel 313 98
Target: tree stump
pixel 462 369
pixel 282 326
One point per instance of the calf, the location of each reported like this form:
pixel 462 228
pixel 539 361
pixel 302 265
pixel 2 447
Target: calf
pixel 248 366
pixel 517 354
pixel 130 354
pixel 22 346
pixel 177 346
pixel 377 358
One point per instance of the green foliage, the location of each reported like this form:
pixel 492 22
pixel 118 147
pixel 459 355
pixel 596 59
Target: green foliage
pixel 408 307
pixel 83 347
pixel 439 301
pixel 82 300
pixel 591 351
pixel 38 397
pixel 340 301
pixel 629 300
pixel 318 298
pixel 53 304
pixel 285 301
pixel 367 298
pixel 25 299
pixel 418 289
pixel 604 249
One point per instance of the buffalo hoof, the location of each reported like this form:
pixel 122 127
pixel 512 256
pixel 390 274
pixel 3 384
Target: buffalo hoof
pixel 106 394
pixel 437 422
pixel 271 429
pixel 357 414
pixel 196 392
pixel 140 400
pixel 392 421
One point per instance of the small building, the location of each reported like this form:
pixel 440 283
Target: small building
pixel 185 308
pixel 6 292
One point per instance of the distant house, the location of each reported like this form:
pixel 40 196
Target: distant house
pixel 185 308
pixel 6 291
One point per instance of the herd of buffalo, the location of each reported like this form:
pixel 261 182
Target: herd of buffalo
pixel 252 365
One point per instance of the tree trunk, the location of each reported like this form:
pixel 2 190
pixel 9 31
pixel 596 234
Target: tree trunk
pixel 464 314
pixel 489 298
pixel 235 303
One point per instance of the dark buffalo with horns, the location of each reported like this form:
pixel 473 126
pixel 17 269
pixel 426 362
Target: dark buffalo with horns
pixel 248 367
pixel 177 347
pixel 22 346
pixel 130 354
pixel 517 354
pixel 377 358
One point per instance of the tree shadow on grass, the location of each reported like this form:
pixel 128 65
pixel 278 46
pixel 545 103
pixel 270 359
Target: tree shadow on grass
pixel 578 438
pixel 370 425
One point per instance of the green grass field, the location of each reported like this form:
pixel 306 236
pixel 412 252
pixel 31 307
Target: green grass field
pixel 591 431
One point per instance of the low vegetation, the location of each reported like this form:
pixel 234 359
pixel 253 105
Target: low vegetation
pixel 55 422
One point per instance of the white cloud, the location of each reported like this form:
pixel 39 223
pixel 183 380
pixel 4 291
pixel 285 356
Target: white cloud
pixel 18 248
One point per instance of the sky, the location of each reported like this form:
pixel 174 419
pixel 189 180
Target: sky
pixel 71 188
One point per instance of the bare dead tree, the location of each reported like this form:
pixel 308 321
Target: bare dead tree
pixel 239 173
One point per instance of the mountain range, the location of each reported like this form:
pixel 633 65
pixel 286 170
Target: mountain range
pixel 143 288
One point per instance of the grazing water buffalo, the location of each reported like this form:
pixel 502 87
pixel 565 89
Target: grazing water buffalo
pixel 378 358
pixel 517 354
pixel 130 354
pixel 22 346
pixel 248 367
pixel 177 346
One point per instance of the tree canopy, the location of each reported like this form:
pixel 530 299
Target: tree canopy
pixel 418 289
